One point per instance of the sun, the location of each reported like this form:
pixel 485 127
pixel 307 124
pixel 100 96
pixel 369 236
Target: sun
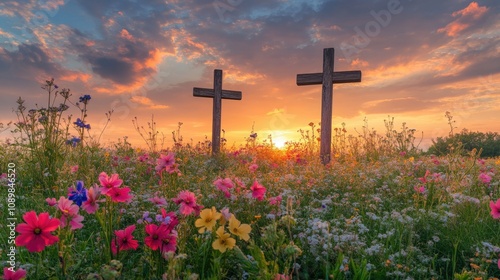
pixel 279 142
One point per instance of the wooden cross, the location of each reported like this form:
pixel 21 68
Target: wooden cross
pixel 217 94
pixel 327 79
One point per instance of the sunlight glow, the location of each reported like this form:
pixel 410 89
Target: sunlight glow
pixel 279 142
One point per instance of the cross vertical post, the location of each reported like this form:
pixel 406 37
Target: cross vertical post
pixel 217 93
pixel 326 106
pixel 327 79
pixel 216 115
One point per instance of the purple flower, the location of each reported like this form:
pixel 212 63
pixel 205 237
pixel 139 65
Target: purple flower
pixel 145 218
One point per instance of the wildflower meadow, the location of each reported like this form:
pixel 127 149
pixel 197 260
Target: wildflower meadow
pixel 73 208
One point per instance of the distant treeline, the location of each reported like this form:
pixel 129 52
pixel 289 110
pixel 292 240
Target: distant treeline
pixel 488 143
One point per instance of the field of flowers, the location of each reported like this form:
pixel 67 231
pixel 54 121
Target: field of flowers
pixel 72 209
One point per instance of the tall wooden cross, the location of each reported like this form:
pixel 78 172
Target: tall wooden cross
pixel 217 93
pixel 327 79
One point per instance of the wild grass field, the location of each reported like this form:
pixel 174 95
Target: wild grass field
pixel 382 209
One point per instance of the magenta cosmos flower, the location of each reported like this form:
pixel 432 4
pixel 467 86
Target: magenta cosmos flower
pixel 124 240
pixel 69 213
pixel 164 162
pixel 224 185
pixel 108 183
pixel 485 178
pixel 169 219
pixel 9 274
pixel 258 191
pixel 495 209
pixel 160 237
pixel 51 201
pixel 91 205
pixel 36 232
pixel 119 194
pixel 187 202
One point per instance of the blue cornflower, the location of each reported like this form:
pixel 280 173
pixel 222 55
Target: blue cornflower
pixel 81 124
pixel 85 99
pixel 73 141
pixel 79 194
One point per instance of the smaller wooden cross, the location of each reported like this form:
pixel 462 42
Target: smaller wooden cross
pixel 217 93
pixel 327 79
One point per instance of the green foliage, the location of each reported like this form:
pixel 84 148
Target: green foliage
pixel 43 134
pixel 488 143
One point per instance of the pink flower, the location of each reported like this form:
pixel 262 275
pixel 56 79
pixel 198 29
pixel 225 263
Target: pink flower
pixel 224 185
pixel 225 213
pixel 187 201
pixel 119 194
pixel 155 237
pixel 169 242
pixel 90 206
pixel 3 176
pixel 69 213
pixel 164 161
pixel 419 189
pixel 158 201
pixel 9 274
pixel 174 168
pixel 36 232
pixel 485 178
pixel 258 191
pixel 253 167
pixel 124 240
pixel 74 169
pixel 281 277
pixel 51 201
pixel 160 237
pixel 108 183
pixel 275 200
pixel 495 209
pixel 143 158
pixel 424 179
pixel 169 219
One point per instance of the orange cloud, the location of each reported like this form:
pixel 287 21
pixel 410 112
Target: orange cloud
pixel 473 10
pixel 359 62
pixel 126 35
pixel 145 101
pixel 465 18
pixel 71 77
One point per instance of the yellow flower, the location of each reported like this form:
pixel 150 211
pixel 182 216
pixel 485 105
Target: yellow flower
pixel 241 230
pixel 224 241
pixel 207 219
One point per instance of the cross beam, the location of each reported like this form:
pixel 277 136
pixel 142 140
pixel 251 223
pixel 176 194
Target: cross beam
pixel 217 93
pixel 327 79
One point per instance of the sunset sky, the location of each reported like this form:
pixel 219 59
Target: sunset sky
pixel 140 58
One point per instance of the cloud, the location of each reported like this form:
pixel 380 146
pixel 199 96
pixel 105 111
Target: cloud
pixel 145 101
pixel 29 56
pixel 465 18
